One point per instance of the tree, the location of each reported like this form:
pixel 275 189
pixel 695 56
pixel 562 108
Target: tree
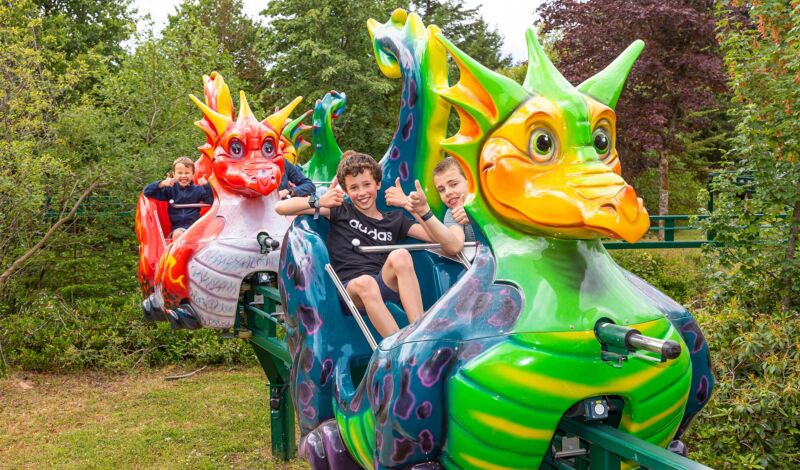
pixel 35 178
pixel 235 31
pixel 757 225
pixel 314 47
pixel 679 73
pixel 466 28
pixel 84 34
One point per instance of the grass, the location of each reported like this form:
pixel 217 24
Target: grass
pixel 215 419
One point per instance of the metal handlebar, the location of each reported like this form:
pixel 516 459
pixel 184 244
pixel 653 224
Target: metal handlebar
pixel 410 247
pixel 618 339
pixel 667 348
pixel 187 206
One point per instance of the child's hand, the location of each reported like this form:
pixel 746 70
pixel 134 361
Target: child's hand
pixel 333 198
pixel 418 201
pixel 395 196
pixel 201 181
pixel 283 193
pixel 167 182
pixel 461 215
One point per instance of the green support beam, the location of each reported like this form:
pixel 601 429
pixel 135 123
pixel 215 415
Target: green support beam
pixel 258 323
pixel 608 448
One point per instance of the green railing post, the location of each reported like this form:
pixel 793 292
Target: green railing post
pixel 669 230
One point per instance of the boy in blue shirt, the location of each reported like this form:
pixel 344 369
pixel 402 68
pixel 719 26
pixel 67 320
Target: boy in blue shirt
pixel 301 185
pixel 180 189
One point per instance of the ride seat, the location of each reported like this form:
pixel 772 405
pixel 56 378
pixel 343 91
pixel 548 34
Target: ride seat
pixel 161 208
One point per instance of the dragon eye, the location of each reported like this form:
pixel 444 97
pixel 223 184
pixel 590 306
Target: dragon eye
pixel 601 138
pixel 542 146
pixel 268 149
pixel 236 149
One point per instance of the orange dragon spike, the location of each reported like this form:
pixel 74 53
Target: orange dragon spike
pixel 218 96
pixel 218 121
pixel 244 108
pixel 277 120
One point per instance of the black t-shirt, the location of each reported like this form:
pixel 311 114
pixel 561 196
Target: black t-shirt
pixel 348 223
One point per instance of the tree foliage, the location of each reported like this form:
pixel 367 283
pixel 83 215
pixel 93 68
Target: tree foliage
pixel 753 419
pixel 466 28
pixel 679 73
pixel 236 33
pixel 36 177
pixel 757 224
pixel 316 47
pixel 84 34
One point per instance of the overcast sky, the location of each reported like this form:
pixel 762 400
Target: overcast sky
pixel 511 17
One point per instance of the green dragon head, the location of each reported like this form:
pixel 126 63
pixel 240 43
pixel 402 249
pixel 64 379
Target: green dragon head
pixel 541 156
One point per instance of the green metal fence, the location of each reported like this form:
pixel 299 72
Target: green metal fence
pixel 673 225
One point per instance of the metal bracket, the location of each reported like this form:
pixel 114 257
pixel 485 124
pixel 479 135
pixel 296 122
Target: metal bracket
pixel 570 447
pixel 276 396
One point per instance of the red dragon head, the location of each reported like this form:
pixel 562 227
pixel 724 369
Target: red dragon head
pixel 245 153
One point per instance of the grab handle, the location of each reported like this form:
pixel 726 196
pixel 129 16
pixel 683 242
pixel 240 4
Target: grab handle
pixel 410 247
pixel 187 206
pixel 619 341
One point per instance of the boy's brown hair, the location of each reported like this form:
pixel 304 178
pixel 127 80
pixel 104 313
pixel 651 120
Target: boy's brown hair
pixel 446 164
pixel 354 163
pixel 185 161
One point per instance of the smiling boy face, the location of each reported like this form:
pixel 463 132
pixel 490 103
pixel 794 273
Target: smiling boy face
pixel 184 174
pixel 451 186
pixel 362 189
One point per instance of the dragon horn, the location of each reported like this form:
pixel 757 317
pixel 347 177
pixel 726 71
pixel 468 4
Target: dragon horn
pixel 277 120
pixel 217 120
pixel 292 129
pixel 483 98
pixel 218 96
pixel 244 108
pixel 542 77
pixel 606 85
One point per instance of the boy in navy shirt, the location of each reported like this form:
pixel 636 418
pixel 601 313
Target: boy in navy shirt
pixel 301 185
pixel 181 190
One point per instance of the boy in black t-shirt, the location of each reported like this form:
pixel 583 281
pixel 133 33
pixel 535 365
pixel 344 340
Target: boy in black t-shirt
pixel 372 278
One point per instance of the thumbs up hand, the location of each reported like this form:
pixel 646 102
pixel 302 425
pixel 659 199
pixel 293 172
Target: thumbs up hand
pixel 418 201
pixel 395 197
pixel 332 198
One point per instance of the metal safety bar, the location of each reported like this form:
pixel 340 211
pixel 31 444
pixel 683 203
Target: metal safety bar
pixel 160 229
pixel 187 206
pixel 347 300
pixel 410 247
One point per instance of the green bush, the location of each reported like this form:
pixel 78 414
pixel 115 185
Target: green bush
pixel 753 419
pixel 676 272
pixel 682 201
pixel 51 334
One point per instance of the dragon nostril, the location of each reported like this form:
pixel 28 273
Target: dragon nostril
pixel 609 207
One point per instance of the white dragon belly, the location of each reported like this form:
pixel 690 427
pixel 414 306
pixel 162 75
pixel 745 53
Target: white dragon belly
pixel 217 270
